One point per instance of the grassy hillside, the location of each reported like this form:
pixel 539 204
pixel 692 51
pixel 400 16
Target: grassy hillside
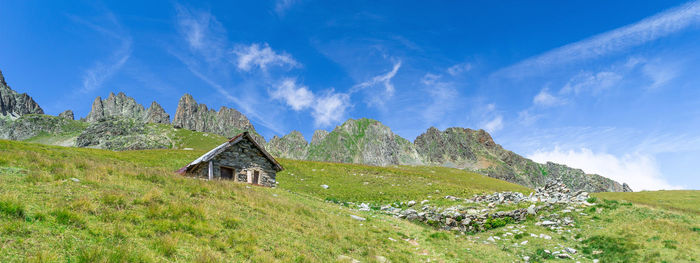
pixel 680 200
pixel 89 205
pixel 381 185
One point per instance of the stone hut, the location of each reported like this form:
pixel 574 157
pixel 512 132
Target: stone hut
pixel 240 159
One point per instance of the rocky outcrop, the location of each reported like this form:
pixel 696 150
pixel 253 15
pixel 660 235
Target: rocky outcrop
pixel 68 114
pixel 13 104
pixel 31 125
pixel 360 141
pixel 121 133
pixel 319 136
pixel 156 114
pixel 476 150
pixel 226 122
pixel 626 188
pixel 123 106
pixel 292 146
pixel 118 105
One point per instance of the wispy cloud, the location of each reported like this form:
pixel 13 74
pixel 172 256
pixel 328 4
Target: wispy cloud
pixel 591 82
pixel 649 29
pixel 383 80
pixel 95 76
pixel 494 125
pixel 261 57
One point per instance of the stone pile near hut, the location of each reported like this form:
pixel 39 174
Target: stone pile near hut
pixel 471 218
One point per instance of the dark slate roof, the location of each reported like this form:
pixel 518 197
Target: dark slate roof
pixel 221 148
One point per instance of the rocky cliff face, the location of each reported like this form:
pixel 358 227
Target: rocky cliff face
pixel 156 114
pixel 118 105
pixel 124 106
pixel 13 104
pixel 476 150
pixel 292 146
pixel 361 141
pixel 226 122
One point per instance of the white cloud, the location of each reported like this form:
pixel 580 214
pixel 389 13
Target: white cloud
pixel 649 29
pixel 383 80
pixel 545 99
pixel 494 125
pixel 262 57
pixel 330 107
pixel 296 96
pixel 459 68
pixel 326 109
pixel 591 82
pixel 640 171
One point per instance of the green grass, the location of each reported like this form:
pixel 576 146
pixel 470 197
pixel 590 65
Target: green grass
pixel 382 185
pixel 678 200
pixel 130 207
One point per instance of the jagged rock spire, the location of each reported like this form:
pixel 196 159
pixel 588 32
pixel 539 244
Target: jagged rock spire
pixel 14 104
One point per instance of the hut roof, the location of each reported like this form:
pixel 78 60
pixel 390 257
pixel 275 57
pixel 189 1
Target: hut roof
pixel 221 148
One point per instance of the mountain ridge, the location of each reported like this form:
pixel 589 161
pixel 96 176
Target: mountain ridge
pixel 120 123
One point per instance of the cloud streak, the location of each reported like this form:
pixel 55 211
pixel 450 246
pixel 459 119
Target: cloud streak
pixel 94 77
pixel 649 29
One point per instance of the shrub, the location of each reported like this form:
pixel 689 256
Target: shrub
pixel 592 199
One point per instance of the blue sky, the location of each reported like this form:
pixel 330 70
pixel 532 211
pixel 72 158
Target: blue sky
pixel 609 87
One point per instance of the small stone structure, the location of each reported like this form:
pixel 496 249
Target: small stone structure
pixel 240 159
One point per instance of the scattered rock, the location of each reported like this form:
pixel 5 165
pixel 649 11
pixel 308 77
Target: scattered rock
pixel 357 218
pixel 75 179
pixel 324 186
pixel 411 203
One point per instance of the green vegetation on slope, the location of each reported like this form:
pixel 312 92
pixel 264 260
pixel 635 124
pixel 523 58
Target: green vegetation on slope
pixel 381 185
pixel 130 207
pixel 679 200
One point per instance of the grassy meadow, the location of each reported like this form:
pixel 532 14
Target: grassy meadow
pixel 60 204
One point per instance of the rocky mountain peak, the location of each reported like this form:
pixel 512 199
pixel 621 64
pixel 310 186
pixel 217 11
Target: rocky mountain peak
pixel 122 106
pixel 156 114
pixel 292 145
pixel 118 105
pixel 363 141
pixel 226 122
pixel 14 104
pixel 319 136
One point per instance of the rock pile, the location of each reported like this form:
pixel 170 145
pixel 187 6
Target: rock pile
pixel 473 219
